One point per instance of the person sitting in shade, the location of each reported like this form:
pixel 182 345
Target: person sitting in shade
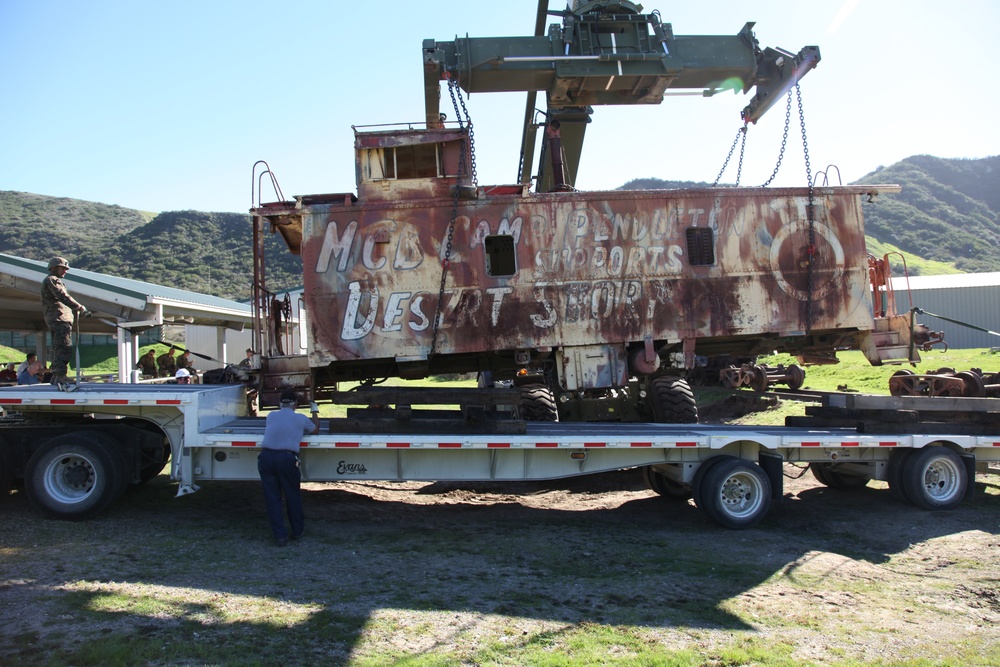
pixel 166 363
pixel 30 374
pixel 184 361
pixel 31 356
pixel 147 363
pixel 8 374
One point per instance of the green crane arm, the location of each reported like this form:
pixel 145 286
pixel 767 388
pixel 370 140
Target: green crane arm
pixel 608 52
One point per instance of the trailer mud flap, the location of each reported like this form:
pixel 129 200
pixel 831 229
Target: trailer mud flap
pixel 772 464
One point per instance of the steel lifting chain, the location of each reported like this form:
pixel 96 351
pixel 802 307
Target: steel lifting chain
pixel 784 137
pixel 456 100
pixel 740 134
pixel 810 210
pixel 465 123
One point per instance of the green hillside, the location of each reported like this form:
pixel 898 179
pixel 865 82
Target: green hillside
pixel 38 227
pixel 944 221
pixel 948 211
pixel 209 253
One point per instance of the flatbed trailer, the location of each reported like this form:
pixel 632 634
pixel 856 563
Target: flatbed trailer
pixel 78 451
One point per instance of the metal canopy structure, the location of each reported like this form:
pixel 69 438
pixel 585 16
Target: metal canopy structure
pixel 121 306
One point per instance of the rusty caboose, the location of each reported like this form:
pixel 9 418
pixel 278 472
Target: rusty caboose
pixel 597 305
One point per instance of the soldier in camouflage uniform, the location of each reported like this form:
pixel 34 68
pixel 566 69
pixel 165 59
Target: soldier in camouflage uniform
pixel 60 309
pixel 166 363
pixel 147 363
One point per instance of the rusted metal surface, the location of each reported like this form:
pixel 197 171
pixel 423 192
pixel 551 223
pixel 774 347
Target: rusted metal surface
pixel 759 377
pixel 973 383
pixel 588 268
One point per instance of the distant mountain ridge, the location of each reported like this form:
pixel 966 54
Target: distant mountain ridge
pixel 948 211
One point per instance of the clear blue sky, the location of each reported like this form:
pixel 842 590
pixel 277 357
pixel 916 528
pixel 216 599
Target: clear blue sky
pixel 166 105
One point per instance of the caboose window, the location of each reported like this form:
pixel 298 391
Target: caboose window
pixel 700 248
pixel 401 162
pixel 419 161
pixel 500 256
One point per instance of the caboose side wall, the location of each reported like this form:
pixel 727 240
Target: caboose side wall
pixel 584 269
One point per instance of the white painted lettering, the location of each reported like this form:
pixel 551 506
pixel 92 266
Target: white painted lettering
pixel 422 321
pixel 336 247
pixel 351 330
pixel 393 311
pixel 498 293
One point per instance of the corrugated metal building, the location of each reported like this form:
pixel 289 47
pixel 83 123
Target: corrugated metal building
pixel 967 297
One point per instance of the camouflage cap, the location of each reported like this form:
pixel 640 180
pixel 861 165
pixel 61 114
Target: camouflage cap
pixel 57 262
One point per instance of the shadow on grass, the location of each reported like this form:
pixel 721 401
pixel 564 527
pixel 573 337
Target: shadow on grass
pixel 197 579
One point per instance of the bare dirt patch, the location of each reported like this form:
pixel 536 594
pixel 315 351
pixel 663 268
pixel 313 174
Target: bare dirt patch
pixel 440 568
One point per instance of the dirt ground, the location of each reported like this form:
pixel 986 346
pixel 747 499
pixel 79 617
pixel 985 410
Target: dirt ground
pixel 833 575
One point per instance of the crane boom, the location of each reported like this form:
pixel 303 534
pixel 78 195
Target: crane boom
pixel 609 53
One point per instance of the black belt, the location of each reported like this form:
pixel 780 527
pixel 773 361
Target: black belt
pixel 285 451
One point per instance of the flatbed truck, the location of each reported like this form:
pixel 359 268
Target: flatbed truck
pixel 78 451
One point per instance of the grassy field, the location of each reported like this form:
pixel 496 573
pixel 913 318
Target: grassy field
pixel 94 359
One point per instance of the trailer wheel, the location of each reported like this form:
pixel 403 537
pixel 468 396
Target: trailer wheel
pixel 538 404
pixel 736 493
pixel 699 475
pixel 673 401
pixel 934 478
pixel 665 486
pixel 6 469
pixel 154 460
pixel 894 474
pixel 74 476
pixel 829 476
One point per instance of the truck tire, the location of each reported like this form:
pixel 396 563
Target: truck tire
pixel 673 401
pixel 934 478
pixel 894 474
pixel 74 476
pixel 538 404
pixel 665 486
pixel 736 493
pixel 827 475
pixel 699 475
pixel 6 469
pixel 154 460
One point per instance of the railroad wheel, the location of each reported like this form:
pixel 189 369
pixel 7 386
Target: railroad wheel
pixel 796 377
pixel 74 476
pixel 934 478
pixel 538 404
pixel 736 493
pixel 974 385
pixel 758 378
pixel 673 401
pixel 730 377
pixel 827 475
pixel 901 385
pixel 665 486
